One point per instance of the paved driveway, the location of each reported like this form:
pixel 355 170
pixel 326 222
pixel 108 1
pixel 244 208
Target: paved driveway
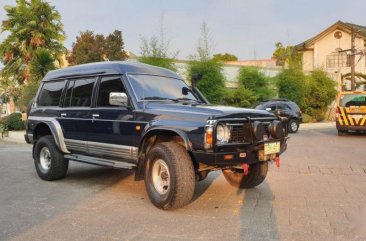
pixel 319 193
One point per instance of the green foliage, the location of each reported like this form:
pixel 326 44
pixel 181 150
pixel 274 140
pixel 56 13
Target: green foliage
pixel 156 52
pixel 306 118
pixel 287 55
pixel 30 25
pixel 212 84
pixel 3 125
pixel 15 121
pixel 291 84
pixel 225 57
pixel 240 97
pixel 256 81
pixel 41 63
pixel 90 47
pixel 320 94
pixel 27 93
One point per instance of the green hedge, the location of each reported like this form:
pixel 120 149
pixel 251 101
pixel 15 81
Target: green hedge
pixel 15 122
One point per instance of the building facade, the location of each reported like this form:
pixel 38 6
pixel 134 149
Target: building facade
pixel 330 50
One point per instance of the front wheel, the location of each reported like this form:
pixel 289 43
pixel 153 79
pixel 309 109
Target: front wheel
pixel 169 176
pixel 48 160
pixel 293 126
pixel 257 174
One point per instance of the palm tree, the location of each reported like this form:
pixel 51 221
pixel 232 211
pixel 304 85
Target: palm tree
pixel 31 25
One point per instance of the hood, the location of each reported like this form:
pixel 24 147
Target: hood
pixel 201 112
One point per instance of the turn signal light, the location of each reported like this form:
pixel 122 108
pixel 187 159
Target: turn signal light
pixel 228 157
pixel 209 138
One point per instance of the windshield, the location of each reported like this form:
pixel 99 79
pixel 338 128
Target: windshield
pixel 150 87
pixel 352 100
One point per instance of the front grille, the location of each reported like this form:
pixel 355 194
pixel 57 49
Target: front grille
pixel 241 133
pixel 237 134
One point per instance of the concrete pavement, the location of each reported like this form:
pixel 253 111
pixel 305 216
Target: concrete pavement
pixel 319 193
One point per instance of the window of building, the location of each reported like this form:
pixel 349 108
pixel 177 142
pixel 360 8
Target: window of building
pixel 338 60
pixel 108 85
pixel 79 93
pixel 51 93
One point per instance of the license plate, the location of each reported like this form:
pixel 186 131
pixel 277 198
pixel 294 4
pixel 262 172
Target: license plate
pixel 272 147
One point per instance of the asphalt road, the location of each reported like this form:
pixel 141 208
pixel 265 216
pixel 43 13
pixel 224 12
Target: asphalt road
pixel 319 193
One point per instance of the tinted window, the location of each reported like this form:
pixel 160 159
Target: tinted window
pixel 51 93
pixel 108 85
pixel 155 87
pixel 79 92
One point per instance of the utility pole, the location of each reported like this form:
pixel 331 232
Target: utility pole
pixel 352 60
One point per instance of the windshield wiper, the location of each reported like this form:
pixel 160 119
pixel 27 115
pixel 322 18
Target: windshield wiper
pixel 158 98
pixel 187 99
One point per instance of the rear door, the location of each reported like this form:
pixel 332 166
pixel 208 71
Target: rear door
pixel 75 117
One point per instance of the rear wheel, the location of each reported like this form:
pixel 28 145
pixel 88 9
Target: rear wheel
pixel 293 126
pixel 341 133
pixel 48 160
pixel 257 174
pixel 169 176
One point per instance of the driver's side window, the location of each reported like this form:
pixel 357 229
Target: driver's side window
pixel 108 85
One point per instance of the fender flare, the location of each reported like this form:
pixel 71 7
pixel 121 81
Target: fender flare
pixel 56 130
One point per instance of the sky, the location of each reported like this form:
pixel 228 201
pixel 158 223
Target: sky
pixel 248 29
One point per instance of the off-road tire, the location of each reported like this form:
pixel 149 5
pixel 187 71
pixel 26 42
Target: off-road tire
pixel 293 126
pixel 58 165
pixel 182 176
pixel 257 174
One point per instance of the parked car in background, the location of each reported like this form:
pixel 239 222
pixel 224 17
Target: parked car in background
pixel 351 112
pixel 285 108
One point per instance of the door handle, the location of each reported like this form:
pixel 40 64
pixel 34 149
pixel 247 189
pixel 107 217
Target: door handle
pixel 63 115
pixel 95 116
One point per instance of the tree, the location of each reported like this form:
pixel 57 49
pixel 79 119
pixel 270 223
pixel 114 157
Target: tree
pixel 41 64
pixel 256 81
pixel 31 25
pixel 320 93
pixel 225 57
pixel 291 84
pixel 240 97
pixel 212 83
pixel 90 47
pixel 156 50
pixel 287 55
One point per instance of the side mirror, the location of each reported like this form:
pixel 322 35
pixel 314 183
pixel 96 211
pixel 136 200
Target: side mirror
pixel 268 109
pixel 185 91
pixel 118 99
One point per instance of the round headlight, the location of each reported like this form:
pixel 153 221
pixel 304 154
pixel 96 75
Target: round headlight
pixel 258 130
pixel 222 133
pixel 276 129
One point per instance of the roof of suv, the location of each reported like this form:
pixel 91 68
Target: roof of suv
pixel 109 67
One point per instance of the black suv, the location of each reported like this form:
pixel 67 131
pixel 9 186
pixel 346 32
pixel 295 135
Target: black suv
pixel 131 115
pixel 284 108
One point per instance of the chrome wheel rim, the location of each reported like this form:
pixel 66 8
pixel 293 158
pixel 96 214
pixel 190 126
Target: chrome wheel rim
pixel 293 126
pixel 45 158
pixel 160 176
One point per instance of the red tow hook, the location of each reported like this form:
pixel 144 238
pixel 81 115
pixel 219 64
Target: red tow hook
pixel 278 162
pixel 245 167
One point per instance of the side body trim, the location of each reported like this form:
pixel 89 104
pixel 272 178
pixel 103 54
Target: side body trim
pixel 55 128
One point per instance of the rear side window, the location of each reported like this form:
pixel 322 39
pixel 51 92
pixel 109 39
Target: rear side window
pixel 108 85
pixel 51 93
pixel 79 93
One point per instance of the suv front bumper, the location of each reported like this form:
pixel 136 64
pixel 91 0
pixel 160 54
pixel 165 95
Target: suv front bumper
pixel 224 159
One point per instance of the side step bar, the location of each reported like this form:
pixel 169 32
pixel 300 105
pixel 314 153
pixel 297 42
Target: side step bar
pixel 100 161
